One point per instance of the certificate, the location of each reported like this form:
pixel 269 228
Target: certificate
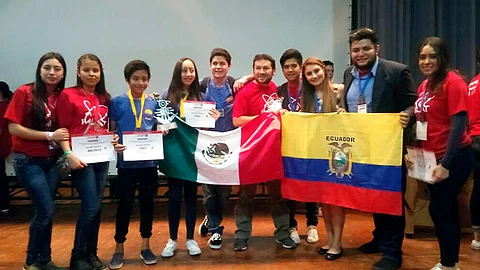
pixel 424 162
pixel 93 148
pixel 142 146
pixel 196 113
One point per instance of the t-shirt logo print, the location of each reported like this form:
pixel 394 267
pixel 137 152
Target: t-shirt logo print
pixel 472 87
pixel 88 118
pixel 216 153
pixel 421 100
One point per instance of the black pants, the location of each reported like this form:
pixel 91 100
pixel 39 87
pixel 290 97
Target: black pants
pixel 475 198
pixel 444 207
pixel 177 188
pixel 126 186
pixel 311 209
pixel 4 191
pixel 389 230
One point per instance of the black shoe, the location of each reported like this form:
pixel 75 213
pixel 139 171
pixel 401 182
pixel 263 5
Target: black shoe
pixel 95 262
pixel 80 264
pixel 240 244
pixel 386 264
pixel 333 256
pixel 49 266
pixel 370 247
pixel 203 228
pixel 287 243
pixel 78 261
pixel 215 242
pixel 322 251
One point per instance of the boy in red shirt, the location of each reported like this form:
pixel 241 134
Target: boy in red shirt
pixel 248 104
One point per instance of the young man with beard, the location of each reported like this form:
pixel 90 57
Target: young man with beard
pixel 291 62
pixel 218 87
pixel 376 85
pixel 249 104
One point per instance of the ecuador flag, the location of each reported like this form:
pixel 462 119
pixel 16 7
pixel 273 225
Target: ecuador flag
pixel 247 155
pixel 350 160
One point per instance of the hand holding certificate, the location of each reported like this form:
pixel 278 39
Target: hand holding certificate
pixel 423 164
pixel 142 146
pixel 93 148
pixel 197 113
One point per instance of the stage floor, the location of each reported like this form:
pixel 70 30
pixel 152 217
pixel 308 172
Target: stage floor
pixel 263 253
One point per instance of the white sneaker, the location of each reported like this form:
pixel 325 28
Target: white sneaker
pixel 312 234
pixel 439 266
pixel 169 249
pixel 475 245
pixel 193 248
pixel 294 235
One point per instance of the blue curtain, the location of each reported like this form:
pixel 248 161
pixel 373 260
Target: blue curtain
pixel 402 25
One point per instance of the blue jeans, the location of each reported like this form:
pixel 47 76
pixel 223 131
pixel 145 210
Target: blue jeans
pixel 40 179
pixel 214 199
pixel 90 184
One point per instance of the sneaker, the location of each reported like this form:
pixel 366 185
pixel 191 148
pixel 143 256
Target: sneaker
pixel 49 266
pixel 30 267
pixel 215 242
pixel 148 257
pixel 287 243
pixel 475 245
pixel 203 228
pixel 193 248
pixel 439 266
pixel 294 235
pixel 240 244
pixel 169 249
pixel 96 263
pixel 117 261
pixel 312 234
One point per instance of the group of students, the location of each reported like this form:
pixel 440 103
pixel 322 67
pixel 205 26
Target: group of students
pixel 43 115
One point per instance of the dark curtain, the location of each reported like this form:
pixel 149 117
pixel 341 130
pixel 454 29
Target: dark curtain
pixel 402 25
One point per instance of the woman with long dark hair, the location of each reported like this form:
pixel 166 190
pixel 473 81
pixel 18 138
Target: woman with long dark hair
pixel 441 111
pixel 32 116
pixel 84 110
pixel 318 96
pixel 184 86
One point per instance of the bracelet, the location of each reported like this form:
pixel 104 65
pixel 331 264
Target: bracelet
pixel 49 135
pixel 68 152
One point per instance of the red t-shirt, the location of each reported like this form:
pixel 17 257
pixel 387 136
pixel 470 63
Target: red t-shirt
pixel 6 141
pixel 450 100
pixel 20 111
pixel 473 102
pixel 249 101
pixel 78 109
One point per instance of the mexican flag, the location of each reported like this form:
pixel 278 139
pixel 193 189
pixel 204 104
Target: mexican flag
pixel 247 155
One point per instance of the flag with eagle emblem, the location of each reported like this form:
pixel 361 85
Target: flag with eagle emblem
pixel 247 155
pixel 350 159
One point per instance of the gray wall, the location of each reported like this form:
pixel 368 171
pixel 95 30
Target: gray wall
pixel 160 32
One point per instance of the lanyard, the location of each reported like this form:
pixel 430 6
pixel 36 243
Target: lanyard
pixel 138 120
pixel 362 89
pixel 318 103
pixel 182 114
pixel 294 101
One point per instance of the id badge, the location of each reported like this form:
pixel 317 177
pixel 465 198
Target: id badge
pixel 362 108
pixel 421 131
